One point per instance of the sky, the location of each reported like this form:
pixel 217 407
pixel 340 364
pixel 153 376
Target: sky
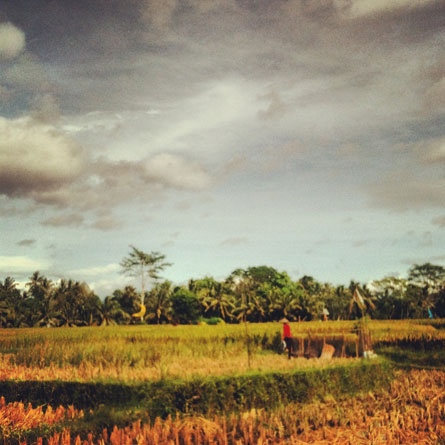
pixel 306 135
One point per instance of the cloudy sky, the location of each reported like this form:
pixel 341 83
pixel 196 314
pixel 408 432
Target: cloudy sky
pixel 307 135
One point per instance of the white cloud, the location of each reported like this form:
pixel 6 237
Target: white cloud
pixel 12 41
pixel 357 8
pixel 98 270
pixel 177 172
pixel 35 157
pixel 106 286
pixel 95 122
pixel 21 264
pixel 201 121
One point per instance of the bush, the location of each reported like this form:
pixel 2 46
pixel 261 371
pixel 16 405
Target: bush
pixel 185 306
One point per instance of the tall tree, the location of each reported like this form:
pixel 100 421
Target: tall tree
pixel 11 307
pixel 185 306
pixel 430 279
pixel 361 300
pixel 141 264
pixel 214 296
pixel 40 290
pixel 110 312
pixel 158 302
pixel 128 301
pixel 391 298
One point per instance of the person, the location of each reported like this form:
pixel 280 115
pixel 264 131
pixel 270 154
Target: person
pixel 287 337
pixel 325 314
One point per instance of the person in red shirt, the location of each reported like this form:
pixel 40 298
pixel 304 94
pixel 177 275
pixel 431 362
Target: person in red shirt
pixel 287 337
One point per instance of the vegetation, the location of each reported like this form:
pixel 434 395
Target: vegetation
pixel 153 352
pixel 210 379
pixel 411 410
pixel 126 376
pixel 255 294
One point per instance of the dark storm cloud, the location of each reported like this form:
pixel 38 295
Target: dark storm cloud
pixel 318 74
pixel 46 167
pixel 106 185
pixel 191 41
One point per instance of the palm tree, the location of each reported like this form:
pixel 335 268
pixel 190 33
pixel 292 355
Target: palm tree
pixel 158 302
pixel 139 263
pixel 363 302
pixel 214 296
pixel 128 300
pixel 41 290
pixel 288 304
pixel 11 299
pixel 110 312
pixel 72 303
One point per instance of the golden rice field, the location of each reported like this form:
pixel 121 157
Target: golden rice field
pixel 200 366
pixel 411 411
pixel 142 353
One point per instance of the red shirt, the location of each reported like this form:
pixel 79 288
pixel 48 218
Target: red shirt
pixel 286 331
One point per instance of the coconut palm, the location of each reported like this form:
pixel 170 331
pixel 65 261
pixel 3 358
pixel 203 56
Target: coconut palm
pixel 40 289
pixel 12 307
pixel 214 296
pixel 364 302
pixel 110 312
pixel 158 302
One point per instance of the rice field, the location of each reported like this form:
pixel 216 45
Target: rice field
pixel 139 353
pixel 410 411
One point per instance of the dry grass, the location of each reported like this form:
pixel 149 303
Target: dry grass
pixel 412 411
pixel 173 368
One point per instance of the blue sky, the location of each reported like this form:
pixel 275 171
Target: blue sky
pixel 304 135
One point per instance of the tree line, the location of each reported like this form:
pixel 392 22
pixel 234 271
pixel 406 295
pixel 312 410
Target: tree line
pixel 255 294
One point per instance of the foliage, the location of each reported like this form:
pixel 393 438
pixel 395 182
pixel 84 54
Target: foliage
pixel 185 306
pixel 139 264
pixel 255 294
pixel 159 302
